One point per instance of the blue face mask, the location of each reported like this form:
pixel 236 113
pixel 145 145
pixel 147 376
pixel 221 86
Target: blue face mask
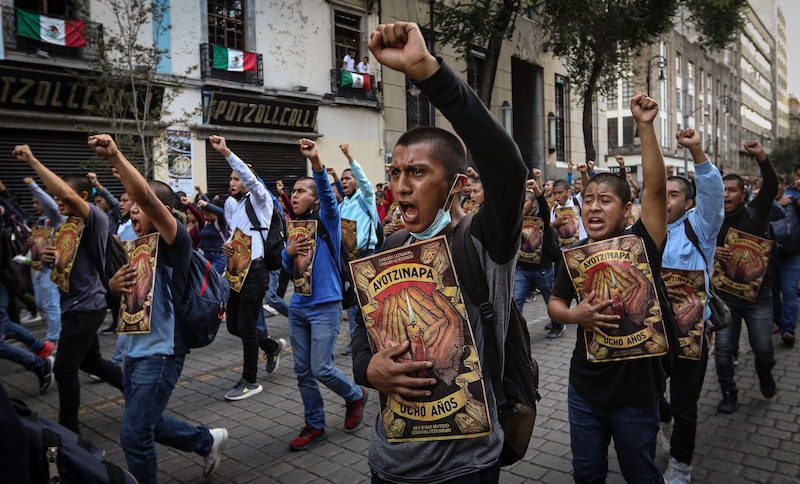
pixel 442 219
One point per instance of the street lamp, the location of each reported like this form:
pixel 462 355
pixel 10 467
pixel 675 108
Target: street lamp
pixel 686 116
pixel 661 62
pixel 724 101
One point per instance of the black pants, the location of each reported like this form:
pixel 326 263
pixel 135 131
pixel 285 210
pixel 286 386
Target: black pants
pixel 685 383
pixel 78 348
pixel 487 476
pixel 243 308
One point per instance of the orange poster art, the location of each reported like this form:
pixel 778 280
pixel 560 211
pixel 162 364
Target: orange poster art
pixel 568 233
pixel 350 238
pixel 689 308
pixel 40 237
pixel 412 294
pixel 136 308
pixel 636 212
pixel 743 273
pixel 530 248
pixel 618 269
pixel 303 264
pixel 66 241
pixel 239 262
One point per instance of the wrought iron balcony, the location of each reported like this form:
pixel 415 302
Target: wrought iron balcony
pixel 16 43
pixel 350 92
pixel 207 70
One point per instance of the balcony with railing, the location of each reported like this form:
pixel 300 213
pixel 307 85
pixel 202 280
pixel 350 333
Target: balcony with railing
pixel 207 70
pixel 17 43
pixel 348 92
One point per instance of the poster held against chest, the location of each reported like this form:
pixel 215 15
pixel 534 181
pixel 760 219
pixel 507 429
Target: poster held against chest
pixel 742 274
pixel 618 269
pixel 689 309
pixel 239 262
pixel 66 241
pixel 40 238
pixel 412 294
pixel 568 233
pixel 350 238
pixel 136 308
pixel 530 248
pixel 303 264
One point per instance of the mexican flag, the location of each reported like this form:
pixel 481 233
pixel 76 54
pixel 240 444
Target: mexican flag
pixel 51 30
pixel 358 81
pixel 233 60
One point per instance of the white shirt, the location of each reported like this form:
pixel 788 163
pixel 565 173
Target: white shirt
pixel 363 68
pixel 236 212
pixel 349 63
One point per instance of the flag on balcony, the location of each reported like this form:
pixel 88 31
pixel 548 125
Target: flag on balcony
pixel 357 81
pixel 233 60
pixel 51 30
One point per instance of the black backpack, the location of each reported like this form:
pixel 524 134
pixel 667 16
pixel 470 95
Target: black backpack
pixel 276 235
pixel 116 257
pixel 516 389
pixel 349 296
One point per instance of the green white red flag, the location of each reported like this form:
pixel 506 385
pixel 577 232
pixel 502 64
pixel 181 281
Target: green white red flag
pixel 233 60
pixel 357 81
pixel 54 31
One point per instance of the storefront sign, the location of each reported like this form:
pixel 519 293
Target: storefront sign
pixel 229 110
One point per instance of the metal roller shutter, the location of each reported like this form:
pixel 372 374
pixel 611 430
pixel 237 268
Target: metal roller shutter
pixel 272 162
pixel 62 152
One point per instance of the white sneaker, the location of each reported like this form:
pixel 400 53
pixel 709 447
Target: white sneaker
pixel 269 310
pixel 210 462
pixel 665 435
pixel 30 318
pixel 678 472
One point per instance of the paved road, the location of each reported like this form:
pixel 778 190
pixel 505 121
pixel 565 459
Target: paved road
pixel 759 443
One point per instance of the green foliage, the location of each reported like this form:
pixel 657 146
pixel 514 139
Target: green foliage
pixel 718 21
pixel 785 155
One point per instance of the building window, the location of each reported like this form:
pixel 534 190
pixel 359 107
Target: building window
pixel 561 117
pixel 475 62
pixel 347 36
pixel 59 9
pixel 628 130
pixel 690 71
pixel 226 23
pixel 702 79
pixel 418 108
pixel 627 90
pixel 678 99
pixel 613 133
pixel 678 65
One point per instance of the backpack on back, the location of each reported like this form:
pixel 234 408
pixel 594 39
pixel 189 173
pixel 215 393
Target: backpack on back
pixel 787 231
pixel 204 303
pixel 116 257
pixel 276 235
pixel 349 296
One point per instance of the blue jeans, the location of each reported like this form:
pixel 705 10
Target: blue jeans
pixel 758 318
pixel 313 332
pixel 48 300
pixel 634 429
pixel 21 334
pixel 148 383
pixel 789 268
pixel 525 279
pixel 119 350
pixel 10 351
pixel 218 261
pixel 272 297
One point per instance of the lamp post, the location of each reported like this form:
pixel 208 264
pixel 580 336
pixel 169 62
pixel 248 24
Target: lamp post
pixel 661 62
pixel 686 116
pixel 724 101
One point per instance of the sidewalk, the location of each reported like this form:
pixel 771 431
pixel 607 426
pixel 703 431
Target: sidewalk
pixel 758 443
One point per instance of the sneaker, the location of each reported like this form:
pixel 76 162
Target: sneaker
pixel 46 350
pixel 274 358
pixel 30 318
pixel 678 472
pixel 355 411
pixel 269 310
pixel 548 326
pixel 308 436
pixel 45 375
pixel 665 435
pixel 242 390
pixel 347 350
pixel 788 339
pixel 767 385
pixel 112 328
pixel 556 331
pixel 210 462
pixel 94 378
pixel 729 402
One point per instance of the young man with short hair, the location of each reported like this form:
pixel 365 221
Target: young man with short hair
pixel 84 305
pixel 314 319
pixel 427 175
pixel 154 360
pixel 752 218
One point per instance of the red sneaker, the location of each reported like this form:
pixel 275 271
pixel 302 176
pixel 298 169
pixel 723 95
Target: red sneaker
pixel 46 350
pixel 308 436
pixel 355 411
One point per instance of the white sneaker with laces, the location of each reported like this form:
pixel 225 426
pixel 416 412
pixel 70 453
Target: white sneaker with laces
pixel 210 462
pixel 678 472
pixel 269 310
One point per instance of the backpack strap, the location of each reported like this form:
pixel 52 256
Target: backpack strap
pixel 251 215
pixel 692 236
pixel 473 281
pixel 323 234
pixel 363 205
